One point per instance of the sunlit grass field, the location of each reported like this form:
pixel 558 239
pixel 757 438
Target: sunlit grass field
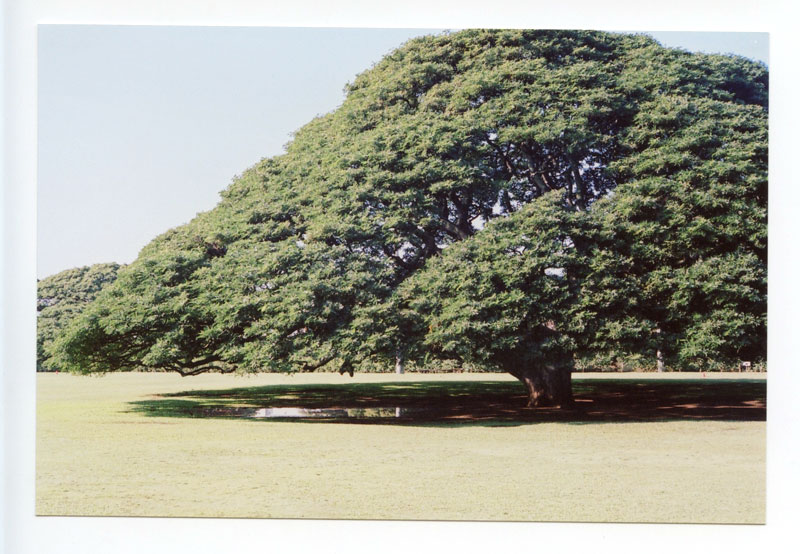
pixel 636 448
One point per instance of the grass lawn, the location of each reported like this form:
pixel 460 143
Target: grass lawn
pixel 639 448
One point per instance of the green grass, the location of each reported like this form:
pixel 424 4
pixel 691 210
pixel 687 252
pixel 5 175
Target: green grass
pixel 635 448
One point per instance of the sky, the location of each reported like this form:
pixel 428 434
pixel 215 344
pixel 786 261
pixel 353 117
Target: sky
pixel 141 127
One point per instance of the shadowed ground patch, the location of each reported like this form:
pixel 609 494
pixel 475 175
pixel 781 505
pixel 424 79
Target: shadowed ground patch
pixel 471 402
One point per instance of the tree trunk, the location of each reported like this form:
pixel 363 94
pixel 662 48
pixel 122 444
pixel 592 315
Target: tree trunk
pixel 547 384
pixel 659 354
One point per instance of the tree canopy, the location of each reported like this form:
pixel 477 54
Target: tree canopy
pixel 629 178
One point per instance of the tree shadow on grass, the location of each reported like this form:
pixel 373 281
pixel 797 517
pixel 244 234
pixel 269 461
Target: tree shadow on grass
pixel 486 403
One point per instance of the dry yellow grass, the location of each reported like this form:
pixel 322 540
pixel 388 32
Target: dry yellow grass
pixel 97 455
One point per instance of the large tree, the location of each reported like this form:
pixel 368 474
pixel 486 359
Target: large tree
pixel 300 264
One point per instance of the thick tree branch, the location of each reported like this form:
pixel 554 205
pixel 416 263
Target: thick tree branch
pixel 580 187
pixel 427 238
pixel 198 371
pixel 453 230
pixel 306 366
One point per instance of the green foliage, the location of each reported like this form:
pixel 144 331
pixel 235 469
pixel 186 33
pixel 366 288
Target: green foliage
pixel 60 298
pixel 506 297
pixel 440 156
pixel 681 261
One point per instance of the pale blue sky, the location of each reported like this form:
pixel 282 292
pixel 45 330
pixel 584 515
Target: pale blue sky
pixel 140 128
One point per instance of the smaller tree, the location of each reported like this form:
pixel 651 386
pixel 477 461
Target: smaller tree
pixel 151 317
pixel 506 299
pixel 60 298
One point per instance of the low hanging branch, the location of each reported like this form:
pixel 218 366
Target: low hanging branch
pixel 313 366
